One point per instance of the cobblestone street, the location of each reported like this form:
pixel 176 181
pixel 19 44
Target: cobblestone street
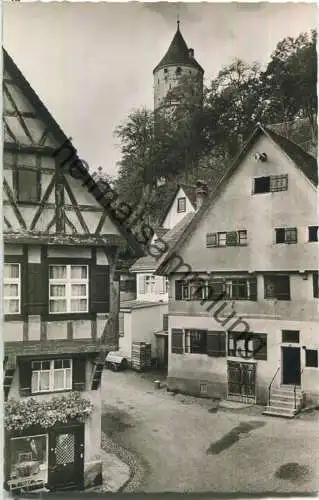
pixel 186 445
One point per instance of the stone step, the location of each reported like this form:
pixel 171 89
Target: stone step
pixel 272 413
pixel 285 392
pixel 281 410
pixel 285 397
pixel 285 404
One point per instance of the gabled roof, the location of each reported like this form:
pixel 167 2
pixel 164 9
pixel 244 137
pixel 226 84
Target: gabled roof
pixel 10 66
pixel 303 160
pixel 178 54
pixel 306 164
pixel 148 262
pixel 190 192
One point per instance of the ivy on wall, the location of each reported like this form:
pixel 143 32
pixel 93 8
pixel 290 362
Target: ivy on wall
pixel 19 415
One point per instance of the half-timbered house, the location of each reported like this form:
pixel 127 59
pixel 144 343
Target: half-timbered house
pixel 61 297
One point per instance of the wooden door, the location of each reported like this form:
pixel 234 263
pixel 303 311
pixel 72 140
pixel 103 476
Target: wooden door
pixel 290 365
pixel 241 379
pixel 66 458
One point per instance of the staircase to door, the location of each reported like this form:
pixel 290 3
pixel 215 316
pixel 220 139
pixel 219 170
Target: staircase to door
pixel 285 401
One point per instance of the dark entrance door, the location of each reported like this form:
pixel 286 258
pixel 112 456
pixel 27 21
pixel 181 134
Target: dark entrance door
pixel 66 458
pixel 291 365
pixel 241 379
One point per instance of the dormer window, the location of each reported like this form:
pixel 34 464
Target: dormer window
pixel 270 184
pixel 181 205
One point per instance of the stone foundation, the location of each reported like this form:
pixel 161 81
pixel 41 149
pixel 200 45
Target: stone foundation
pixel 93 474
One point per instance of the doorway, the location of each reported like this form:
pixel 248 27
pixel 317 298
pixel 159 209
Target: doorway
pixel 66 458
pixel 290 361
pixel 241 380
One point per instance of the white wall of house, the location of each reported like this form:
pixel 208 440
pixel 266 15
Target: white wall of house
pixel 151 288
pixel 174 216
pixel 140 323
pixel 237 208
pixel 187 371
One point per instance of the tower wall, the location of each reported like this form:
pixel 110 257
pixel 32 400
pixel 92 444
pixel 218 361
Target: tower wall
pixel 167 77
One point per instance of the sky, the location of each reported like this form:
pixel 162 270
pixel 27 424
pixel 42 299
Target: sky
pixel 92 63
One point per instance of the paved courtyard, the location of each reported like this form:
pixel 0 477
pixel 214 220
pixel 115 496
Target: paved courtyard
pixel 188 446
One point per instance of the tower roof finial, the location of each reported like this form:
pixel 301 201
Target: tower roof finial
pixel 178 21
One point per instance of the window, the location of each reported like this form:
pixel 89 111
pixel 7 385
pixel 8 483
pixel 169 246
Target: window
pixel 290 336
pixel 286 235
pixel 278 183
pixel 28 461
pixel 195 341
pixel 277 287
pixel 213 289
pixel 313 233
pixel 68 289
pixel 311 358
pixel 147 284
pixel 315 284
pixel 163 285
pixel 230 238
pixel 51 375
pixel 12 288
pixel 247 345
pixel 270 184
pixel 178 70
pixel 181 205
pixel 28 185
pixel 232 289
pixel 211 240
pixel 165 70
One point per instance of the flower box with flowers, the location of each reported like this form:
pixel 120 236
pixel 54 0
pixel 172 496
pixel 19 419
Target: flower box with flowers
pixel 20 415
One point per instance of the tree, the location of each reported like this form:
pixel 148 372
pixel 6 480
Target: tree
pixel 290 80
pixel 234 105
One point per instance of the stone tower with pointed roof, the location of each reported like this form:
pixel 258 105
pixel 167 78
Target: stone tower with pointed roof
pixel 178 61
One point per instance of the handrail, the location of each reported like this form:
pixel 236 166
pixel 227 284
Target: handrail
pixel 269 387
pixel 295 390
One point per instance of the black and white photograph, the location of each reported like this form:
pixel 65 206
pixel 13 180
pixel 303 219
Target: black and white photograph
pixel 160 248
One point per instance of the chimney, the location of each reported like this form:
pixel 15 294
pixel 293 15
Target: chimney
pixel 201 193
pixel 191 53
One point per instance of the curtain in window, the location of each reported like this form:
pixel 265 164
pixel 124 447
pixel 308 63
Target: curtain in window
pixel 58 272
pixel 11 271
pixel 78 272
pixel 57 306
pixel 78 305
pixel 78 290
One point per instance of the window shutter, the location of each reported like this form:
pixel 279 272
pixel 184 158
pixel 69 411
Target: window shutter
pixel 25 375
pixel 38 289
pixel 141 281
pixel 280 235
pixel 78 374
pixel 177 341
pixel 165 322
pixel 100 289
pixel 211 240
pixel 178 290
pixel 260 346
pixel 253 289
pixel 315 282
pixel 232 238
pixel 216 344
